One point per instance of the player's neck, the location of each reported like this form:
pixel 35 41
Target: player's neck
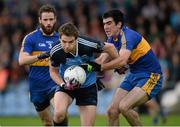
pixel 73 52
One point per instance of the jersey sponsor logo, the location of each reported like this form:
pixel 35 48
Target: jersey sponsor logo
pixel 42 45
pixel 85 58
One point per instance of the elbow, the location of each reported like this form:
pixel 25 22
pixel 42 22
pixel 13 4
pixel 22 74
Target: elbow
pixel 20 61
pixel 52 72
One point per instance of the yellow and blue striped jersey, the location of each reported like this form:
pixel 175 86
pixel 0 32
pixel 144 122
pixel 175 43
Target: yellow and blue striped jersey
pixel 142 58
pixel 35 43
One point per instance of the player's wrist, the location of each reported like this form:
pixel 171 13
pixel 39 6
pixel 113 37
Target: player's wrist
pixel 43 55
pixel 102 67
pixel 62 84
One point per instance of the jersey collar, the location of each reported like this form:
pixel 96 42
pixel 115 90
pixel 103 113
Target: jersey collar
pixel 75 55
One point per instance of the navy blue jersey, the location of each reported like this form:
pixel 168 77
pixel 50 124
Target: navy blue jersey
pixel 85 49
pixel 35 43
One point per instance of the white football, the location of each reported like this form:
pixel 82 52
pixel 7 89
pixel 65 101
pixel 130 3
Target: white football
pixel 76 72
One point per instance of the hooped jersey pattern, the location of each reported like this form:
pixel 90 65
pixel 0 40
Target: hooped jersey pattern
pixel 142 58
pixel 35 43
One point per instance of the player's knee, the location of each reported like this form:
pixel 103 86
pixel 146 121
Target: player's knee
pixel 59 116
pixel 123 107
pixel 113 112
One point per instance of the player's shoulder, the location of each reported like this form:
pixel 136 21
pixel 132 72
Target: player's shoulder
pixel 83 38
pixel 31 35
pixel 131 34
pixel 87 41
pixel 55 48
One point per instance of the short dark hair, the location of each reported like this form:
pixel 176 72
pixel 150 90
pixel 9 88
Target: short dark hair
pixel 68 29
pixel 116 14
pixel 47 8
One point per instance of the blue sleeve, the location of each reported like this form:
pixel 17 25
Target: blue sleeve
pixel 131 40
pixel 27 44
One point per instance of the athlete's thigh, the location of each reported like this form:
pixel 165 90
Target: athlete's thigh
pixel 87 120
pixel 146 86
pixel 134 98
pixel 61 101
pixel 117 97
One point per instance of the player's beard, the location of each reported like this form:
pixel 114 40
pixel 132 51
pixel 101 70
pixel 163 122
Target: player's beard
pixel 48 30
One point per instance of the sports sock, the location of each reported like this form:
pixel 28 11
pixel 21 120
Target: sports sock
pixel 63 123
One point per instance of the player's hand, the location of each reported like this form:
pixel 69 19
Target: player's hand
pixel 91 66
pixel 43 55
pixel 121 70
pixel 72 84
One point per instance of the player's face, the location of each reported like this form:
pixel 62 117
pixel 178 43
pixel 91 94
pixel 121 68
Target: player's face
pixel 110 27
pixel 68 43
pixel 47 22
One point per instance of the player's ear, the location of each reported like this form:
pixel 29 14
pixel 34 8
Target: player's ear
pixel 119 24
pixel 39 20
pixel 55 18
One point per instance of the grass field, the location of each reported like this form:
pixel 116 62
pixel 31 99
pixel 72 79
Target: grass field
pixel 173 120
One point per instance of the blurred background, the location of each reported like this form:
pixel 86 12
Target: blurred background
pixel 157 20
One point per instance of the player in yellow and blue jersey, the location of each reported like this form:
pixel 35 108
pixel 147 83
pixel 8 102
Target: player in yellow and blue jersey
pixel 35 52
pixel 144 80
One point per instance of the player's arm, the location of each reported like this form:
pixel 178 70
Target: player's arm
pixel 25 58
pixel 55 76
pixel 104 57
pixel 111 50
pixel 57 57
pixel 120 61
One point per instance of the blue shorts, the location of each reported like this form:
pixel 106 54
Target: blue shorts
pixel 151 83
pixel 41 100
pixel 83 96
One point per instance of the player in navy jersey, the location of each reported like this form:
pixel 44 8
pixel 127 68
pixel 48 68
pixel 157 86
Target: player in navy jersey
pixel 35 52
pixel 73 49
pixel 144 80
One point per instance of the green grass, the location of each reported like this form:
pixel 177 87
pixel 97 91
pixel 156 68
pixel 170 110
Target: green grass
pixel 101 120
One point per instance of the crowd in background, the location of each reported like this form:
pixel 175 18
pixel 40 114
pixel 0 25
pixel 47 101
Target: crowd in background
pixel 157 20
